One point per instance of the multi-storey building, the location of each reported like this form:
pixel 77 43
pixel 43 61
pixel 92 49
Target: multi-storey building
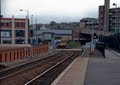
pixel 101 17
pixel 13 31
pixel 89 22
pixel 114 19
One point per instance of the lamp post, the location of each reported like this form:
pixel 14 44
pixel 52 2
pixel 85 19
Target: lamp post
pixel 27 12
pixel 32 19
pixel 27 24
pixel 91 44
pixel 31 31
pixel 79 35
pixel 36 31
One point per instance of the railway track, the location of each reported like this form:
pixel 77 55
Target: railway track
pixel 2 67
pixel 47 77
pixel 10 71
pixel 20 77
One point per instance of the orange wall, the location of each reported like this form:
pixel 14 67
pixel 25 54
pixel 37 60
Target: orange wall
pixel 11 55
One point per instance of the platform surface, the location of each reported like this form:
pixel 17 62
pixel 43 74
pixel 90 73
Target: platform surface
pixel 74 74
pixel 92 70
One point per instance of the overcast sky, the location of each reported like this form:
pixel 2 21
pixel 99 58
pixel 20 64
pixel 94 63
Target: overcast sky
pixel 53 10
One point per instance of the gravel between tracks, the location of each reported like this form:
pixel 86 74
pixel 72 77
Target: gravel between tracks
pixel 22 77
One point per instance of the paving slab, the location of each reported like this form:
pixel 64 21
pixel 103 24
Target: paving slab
pixel 103 71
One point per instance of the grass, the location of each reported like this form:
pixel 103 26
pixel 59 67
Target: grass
pixel 73 44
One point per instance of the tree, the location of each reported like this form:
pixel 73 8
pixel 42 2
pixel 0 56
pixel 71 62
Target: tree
pixel 52 23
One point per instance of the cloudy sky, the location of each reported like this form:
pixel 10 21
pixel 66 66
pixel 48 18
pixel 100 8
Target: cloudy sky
pixel 53 10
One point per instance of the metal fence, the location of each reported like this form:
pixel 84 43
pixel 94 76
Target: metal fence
pixel 112 41
pixel 101 47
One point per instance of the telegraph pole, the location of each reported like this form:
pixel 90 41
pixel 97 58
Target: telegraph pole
pixel 36 31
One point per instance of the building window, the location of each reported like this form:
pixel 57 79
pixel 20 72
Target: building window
pixel 113 12
pixel 20 41
pixel 7 42
pixel 20 33
pixel 17 24
pixel 2 24
pixel 22 24
pixel 113 17
pixel 5 33
pixel 0 57
pixel 7 24
pixel 31 33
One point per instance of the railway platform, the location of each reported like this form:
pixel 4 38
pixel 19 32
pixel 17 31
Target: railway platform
pixel 92 70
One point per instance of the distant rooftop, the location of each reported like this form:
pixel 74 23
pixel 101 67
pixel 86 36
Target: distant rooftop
pixel 89 19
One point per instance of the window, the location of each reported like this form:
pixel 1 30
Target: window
pixel 113 12
pixel 5 33
pixel 17 24
pixel 19 41
pixel 113 17
pixel 7 41
pixel 0 57
pixel 7 24
pixel 22 24
pixel 31 33
pixel 2 24
pixel 20 33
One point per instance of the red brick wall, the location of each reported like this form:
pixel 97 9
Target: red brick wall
pixel 7 23
pixel 101 17
pixel 11 55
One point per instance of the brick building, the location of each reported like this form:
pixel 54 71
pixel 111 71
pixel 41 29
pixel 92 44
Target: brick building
pixel 114 18
pixel 88 23
pixel 13 31
pixel 101 17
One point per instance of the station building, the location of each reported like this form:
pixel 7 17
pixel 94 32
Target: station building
pixel 45 34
